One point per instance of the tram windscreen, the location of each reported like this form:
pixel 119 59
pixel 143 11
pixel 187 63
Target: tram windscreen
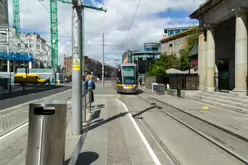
pixel 128 74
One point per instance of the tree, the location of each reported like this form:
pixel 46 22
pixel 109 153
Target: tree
pixel 172 61
pixel 191 41
pixel 165 62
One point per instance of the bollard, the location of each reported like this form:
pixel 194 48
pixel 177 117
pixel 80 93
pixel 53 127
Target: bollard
pixel 90 96
pixel 46 133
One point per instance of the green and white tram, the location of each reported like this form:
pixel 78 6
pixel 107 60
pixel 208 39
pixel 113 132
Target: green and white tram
pixel 125 78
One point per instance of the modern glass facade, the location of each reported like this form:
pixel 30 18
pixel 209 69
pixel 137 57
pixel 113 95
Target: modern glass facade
pixel 173 31
pixel 143 59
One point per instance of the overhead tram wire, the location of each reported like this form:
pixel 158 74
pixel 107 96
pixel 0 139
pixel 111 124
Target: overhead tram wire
pixel 58 21
pixel 131 24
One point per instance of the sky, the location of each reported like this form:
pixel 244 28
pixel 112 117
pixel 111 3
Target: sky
pixel 148 26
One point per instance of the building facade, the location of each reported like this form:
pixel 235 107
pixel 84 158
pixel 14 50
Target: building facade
pixel 91 67
pixel 222 52
pixel 168 32
pixel 143 59
pixel 4 18
pixel 68 65
pixel 173 44
pixel 30 51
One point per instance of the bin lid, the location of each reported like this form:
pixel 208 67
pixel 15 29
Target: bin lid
pixel 48 103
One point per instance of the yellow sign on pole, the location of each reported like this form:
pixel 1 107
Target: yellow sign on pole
pixel 76 64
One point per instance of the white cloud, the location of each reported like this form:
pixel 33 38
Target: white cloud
pixel 147 26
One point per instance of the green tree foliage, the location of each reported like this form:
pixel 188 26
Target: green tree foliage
pixel 191 40
pixel 171 61
pixel 165 62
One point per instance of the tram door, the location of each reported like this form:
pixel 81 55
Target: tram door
pixel 119 77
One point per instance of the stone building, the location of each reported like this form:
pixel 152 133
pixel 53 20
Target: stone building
pixel 222 52
pixel 173 44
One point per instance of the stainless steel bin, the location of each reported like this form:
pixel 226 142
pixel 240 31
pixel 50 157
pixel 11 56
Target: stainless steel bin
pixel 46 133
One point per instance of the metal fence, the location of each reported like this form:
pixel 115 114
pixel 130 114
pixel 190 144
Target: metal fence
pixel 184 82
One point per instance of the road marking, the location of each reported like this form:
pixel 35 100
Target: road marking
pixel 105 95
pixel 151 152
pixel 33 101
pixel 19 127
pixel 7 134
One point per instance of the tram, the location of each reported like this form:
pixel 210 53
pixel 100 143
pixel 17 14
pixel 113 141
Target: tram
pixel 125 78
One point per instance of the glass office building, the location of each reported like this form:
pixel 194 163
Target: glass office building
pixel 173 31
pixel 143 59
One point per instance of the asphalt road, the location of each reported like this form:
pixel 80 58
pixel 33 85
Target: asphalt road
pixel 16 98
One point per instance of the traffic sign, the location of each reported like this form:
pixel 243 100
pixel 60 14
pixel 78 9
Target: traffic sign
pixel 76 64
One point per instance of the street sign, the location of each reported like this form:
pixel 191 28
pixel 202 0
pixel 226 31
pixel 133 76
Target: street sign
pixel 76 64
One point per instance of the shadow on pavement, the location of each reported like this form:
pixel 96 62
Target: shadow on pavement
pixel 96 114
pixel 85 158
pixel 147 109
pixel 28 91
pixel 106 121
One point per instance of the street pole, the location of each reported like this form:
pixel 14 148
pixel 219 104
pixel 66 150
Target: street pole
pixel 77 66
pixel 84 98
pixel 103 60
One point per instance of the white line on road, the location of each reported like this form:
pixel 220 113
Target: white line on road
pixel 105 95
pixel 7 134
pixel 151 152
pixel 21 126
pixel 34 100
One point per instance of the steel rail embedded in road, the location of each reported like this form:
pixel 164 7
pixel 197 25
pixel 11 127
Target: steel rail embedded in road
pixel 215 135
pixel 162 146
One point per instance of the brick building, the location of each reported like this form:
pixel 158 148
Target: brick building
pixel 68 65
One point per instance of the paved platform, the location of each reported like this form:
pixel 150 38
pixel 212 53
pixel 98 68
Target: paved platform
pixel 112 137
pixel 13 145
pixel 232 121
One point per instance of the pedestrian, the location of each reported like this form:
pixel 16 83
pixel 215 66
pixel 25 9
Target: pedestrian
pixel 91 86
pixel 140 80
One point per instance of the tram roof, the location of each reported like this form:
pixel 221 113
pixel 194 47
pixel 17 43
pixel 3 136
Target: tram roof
pixel 128 64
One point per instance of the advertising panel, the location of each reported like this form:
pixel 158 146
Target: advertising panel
pixel 4 18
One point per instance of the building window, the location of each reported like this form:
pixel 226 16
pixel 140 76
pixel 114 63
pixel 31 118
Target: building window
pixel 170 49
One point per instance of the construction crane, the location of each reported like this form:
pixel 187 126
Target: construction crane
pixel 16 15
pixel 53 24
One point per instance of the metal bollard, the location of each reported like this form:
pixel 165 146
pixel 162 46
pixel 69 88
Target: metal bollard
pixel 90 96
pixel 46 133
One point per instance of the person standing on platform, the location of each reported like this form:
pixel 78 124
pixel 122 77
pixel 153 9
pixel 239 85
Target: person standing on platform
pixel 91 86
pixel 140 81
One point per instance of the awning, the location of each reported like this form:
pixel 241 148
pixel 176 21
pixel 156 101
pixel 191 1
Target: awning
pixel 194 51
pixel 16 56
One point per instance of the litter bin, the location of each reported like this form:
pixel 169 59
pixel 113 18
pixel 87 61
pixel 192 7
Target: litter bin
pixel 46 133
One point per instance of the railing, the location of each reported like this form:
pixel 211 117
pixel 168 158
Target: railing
pixel 184 82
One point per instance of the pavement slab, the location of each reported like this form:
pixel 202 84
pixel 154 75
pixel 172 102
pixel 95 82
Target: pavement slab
pixel 232 121
pixel 112 138
pixel 187 147
pixel 13 145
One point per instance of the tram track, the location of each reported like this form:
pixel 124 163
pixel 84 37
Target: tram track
pixel 234 145
pixel 172 159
